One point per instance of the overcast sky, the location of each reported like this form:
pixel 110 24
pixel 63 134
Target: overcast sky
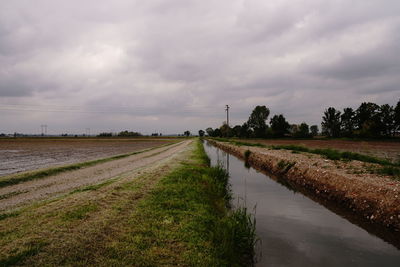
pixel 169 66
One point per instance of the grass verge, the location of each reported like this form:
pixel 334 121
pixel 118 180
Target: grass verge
pixel 187 221
pixel 16 179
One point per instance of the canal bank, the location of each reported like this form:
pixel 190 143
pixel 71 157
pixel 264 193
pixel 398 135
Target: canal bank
pixel 375 199
pixel 297 231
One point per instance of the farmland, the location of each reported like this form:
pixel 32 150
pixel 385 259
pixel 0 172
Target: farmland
pixel 25 154
pixel 132 210
pixel 134 201
pixel 382 149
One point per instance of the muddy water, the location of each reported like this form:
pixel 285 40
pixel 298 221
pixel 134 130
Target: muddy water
pixel 296 231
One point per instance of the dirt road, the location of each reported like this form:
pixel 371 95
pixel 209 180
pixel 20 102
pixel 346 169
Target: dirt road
pixel 17 195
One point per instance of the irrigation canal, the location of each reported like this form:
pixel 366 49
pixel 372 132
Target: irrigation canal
pixel 296 231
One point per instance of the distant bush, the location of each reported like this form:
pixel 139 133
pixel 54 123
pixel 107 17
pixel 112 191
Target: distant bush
pixel 105 135
pixel 129 134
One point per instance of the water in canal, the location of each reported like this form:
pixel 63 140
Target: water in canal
pixel 296 231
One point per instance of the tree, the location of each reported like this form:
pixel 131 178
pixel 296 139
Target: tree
pixel 245 131
pixel 303 131
pixel 129 134
pixel 397 117
pixel 279 125
pixel 365 112
pixel 347 122
pixel 314 130
pixel 236 130
pixel 217 132
pixel 368 120
pixel 226 131
pixel 186 133
pixel 331 122
pixel 105 135
pixel 201 133
pixel 294 128
pixel 387 120
pixel 210 131
pixel 257 119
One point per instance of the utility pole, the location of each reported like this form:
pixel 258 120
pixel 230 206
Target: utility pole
pixel 227 115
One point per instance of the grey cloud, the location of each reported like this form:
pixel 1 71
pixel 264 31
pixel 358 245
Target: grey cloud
pixel 366 65
pixel 14 88
pixel 177 63
pixel 358 67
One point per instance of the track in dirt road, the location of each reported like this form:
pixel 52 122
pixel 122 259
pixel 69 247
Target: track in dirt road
pixel 19 194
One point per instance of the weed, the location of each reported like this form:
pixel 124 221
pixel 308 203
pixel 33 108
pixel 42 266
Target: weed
pixel 79 213
pixel 32 249
pixel 93 187
pixel 11 194
pixel 238 231
pixel 285 166
pixel 8 215
pixel 247 154
pixel 389 170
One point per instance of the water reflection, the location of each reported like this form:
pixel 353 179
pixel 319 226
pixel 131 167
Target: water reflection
pixel 296 231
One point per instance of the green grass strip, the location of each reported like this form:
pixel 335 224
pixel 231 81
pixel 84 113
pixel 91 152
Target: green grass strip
pixel 334 154
pixel 186 221
pixel 33 175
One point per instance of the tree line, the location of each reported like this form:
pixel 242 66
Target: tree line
pixel 120 134
pixel 256 127
pixel 369 120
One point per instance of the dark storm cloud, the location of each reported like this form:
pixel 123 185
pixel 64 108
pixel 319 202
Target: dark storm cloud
pixel 175 64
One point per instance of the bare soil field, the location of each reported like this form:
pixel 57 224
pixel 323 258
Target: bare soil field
pixel 382 149
pixel 27 192
pixel 25 154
